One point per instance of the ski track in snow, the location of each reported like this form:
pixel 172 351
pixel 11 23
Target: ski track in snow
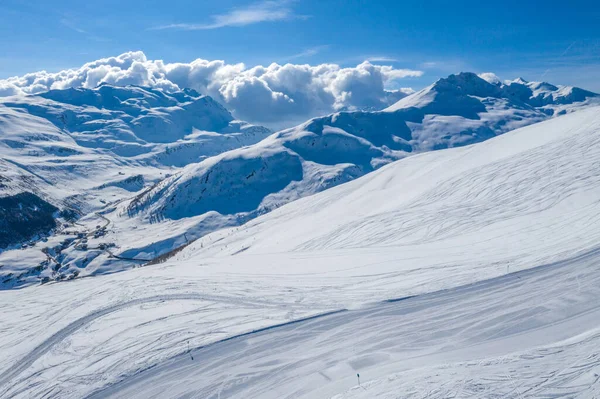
pixel 518 329
pixel 46 345
pixel 443 228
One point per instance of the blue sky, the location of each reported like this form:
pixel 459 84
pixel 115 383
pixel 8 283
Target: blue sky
pixel 554 41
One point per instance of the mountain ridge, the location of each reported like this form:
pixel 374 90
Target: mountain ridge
pixel 164 193
pixel 355 143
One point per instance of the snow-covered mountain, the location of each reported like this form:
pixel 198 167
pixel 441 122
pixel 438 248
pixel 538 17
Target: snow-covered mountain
pixel 166 168
pixel 324 152
pixel 78 149
pixel 137 123
pixel 464 109
pixel 466 272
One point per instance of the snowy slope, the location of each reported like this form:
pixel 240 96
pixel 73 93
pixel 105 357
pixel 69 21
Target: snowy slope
pixel 133 154
pixel 464 108
pixel 325 152
pixel 95 137
pixel 496 244
pixel 140 123
pixel 79 149
pixel 529 335
pixel 536 178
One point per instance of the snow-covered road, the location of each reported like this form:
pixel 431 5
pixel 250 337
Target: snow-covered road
pixel 534 333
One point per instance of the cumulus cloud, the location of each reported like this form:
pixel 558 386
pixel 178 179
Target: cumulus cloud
pixel 9 89
pixel 272 95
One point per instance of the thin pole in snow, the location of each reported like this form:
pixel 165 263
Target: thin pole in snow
pixel 189 351
pixel 358 376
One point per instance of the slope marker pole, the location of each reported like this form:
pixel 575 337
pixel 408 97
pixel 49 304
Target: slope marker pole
pixel 189 351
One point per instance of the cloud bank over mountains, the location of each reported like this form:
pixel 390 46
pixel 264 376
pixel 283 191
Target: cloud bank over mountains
pixel 265 94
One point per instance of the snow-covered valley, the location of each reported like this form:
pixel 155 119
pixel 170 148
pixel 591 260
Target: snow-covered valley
pixel 137 173
pixel 465 272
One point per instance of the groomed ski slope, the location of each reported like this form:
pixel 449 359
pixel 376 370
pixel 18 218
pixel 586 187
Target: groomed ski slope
pixel 533 334
pixel 497 244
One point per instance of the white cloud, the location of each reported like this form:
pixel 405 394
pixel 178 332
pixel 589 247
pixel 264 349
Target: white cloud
pixel 309 52
pixel 272 95
pixel 381 59
pixel 265 11
pixel 9 89
pixel 363 86
pixel 69 24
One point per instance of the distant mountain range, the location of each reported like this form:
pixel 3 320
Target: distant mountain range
pixel 166 168
pixel 323 152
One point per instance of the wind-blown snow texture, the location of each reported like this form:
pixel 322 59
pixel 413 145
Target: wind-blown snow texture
pixel 467 272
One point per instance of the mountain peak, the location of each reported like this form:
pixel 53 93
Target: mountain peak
pixel 459 93
pixel 520 80
pixel 467 83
